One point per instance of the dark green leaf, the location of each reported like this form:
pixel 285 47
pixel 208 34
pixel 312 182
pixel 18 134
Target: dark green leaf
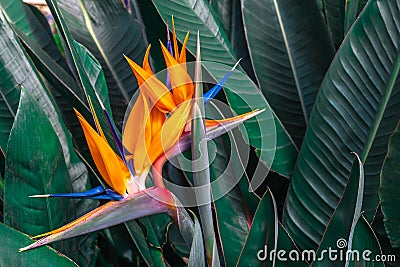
pixel 108 31
pixel 229 13
pixel 35 165
pixel 388 190
pixel 95 74
pixel 20 72
pixel 154 246
pixel 85 77
pixel 27 20
pixel 384 241
pixel 263 232
pixel 12 240
pixel 223 10
pixel 139 239
pixel 352 10
pixel 291 53
pixel 334 14
pixel 242 94
pixel 232 214
pixel 341 226
pixel 177 242
pixel 364 241
pixel 356 110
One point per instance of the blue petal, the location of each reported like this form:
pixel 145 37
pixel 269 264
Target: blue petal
pixel 96 193
pixel 210 94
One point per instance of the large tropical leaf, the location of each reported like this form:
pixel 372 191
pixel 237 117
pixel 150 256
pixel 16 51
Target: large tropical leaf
pixel 356 110
pixel 108 31
pixel 242 94
pixel 290 53
pixel 35 165
pixel 12 240
pixel 388 196
pixel 340 229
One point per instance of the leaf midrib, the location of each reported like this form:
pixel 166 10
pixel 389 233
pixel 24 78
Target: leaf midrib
pixel 382 109
pixel 291 61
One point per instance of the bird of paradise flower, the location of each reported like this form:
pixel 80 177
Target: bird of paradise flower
pixel 157 128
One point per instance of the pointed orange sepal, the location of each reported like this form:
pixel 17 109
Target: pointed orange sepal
pixel 110 165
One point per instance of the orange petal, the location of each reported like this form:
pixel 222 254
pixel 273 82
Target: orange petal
pixel 171 131
pixel 146 63
pixel 141 157
pixel 110 165
pixel 157 120
pixel 182 56
pixel 174 40
pixel 153 88
pixel 182 84
pixel 213 123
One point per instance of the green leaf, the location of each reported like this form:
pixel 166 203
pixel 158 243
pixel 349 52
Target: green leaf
pixel 366 244
pixel 384 241
pixel 341 226
pixel 290 53
pixel 35 165
pixel 223 10
pixel 154 245
pixel 20 71
pixel 352 10
pixel 232 214
pixel 196 257
pixel 356 110
pixel 267 235
pixel 12 240
pixel 229 13
pixel 95 74
pixel 108 31
pixel 85 77
pixel 177 242
pixel 139 239
pixel 242 94
pixel 24 18
pixel 234 203
pixel 334 14
pixel 263 232
pixel 388 190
